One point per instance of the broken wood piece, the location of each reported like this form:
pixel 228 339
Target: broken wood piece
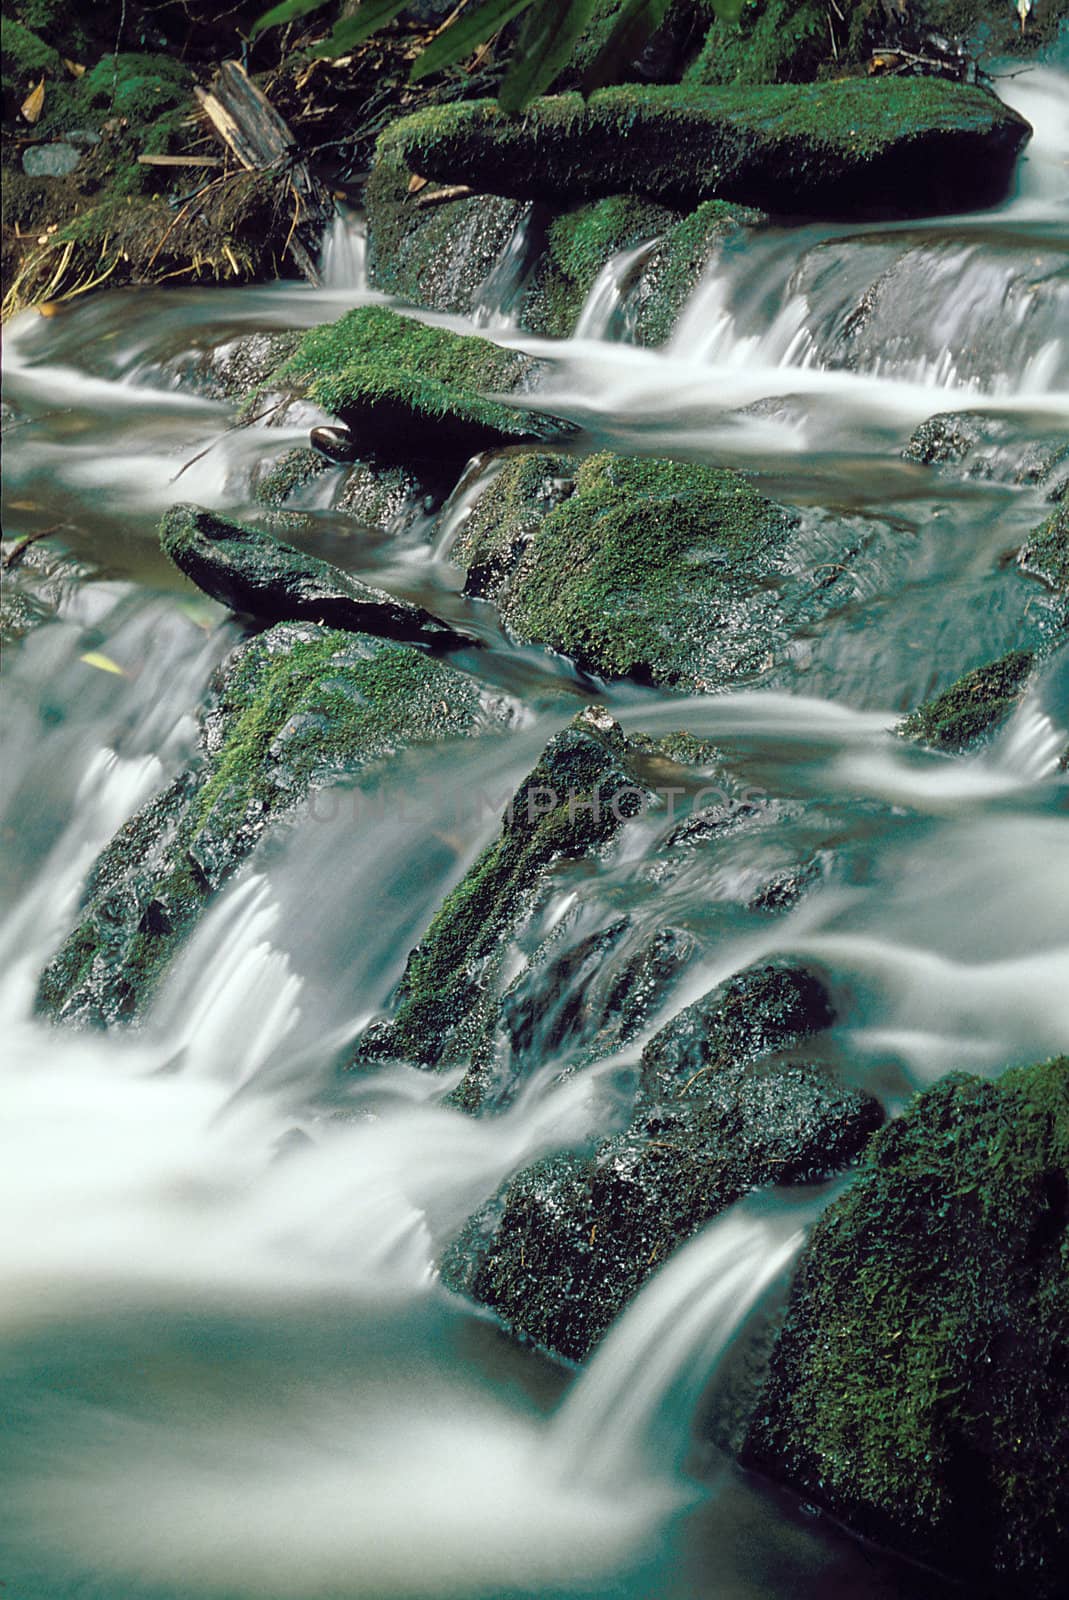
pixel 441 197
pixel 250 127
pixel 180 161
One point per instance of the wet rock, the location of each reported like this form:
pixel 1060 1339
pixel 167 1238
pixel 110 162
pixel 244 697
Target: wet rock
pixel 918 1389
pixel 277 484
pixel 990 448
pixel 257 575
pixel 410 393
pixel 844 148
pixel 975 706
pixel 294 709
pixel 572 805
pixel 571 1240
pixel 233 369
pixel 655 570
pixel 1045 554
pixel 436 256
pixel 50 160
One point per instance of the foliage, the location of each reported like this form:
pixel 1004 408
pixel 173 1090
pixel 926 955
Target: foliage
pixel 548 33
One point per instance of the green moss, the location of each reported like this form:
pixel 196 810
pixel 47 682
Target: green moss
pixel 1046 553
pixel 815 146
pixel 774 41
pixel 298 715
pixel 25 56
pixel 679 262
pixel 918 1389
pixel 632 574
pixel 578 244
pixel 380 368
pixel 975 705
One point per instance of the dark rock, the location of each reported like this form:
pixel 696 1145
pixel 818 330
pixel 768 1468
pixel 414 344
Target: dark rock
pixel 920 1388
pixel 256 575
pixel 572 1239
pixel 972 708
pixel 991 448
pixel 857 146
pixel 294 709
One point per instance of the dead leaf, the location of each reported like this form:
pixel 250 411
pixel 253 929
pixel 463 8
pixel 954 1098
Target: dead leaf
pixel 416 183
pixel 75 68
pixel 34 101
pixel 94 658
pixel 49 308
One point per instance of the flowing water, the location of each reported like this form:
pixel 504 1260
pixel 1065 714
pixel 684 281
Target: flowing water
pixel 230 1368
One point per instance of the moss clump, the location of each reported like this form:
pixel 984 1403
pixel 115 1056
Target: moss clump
pixel 774 41
pixel 1046 553
pixel 976 704
pixel 918 1390
pixel 679 261
pixel 296 708
pixel 900 147
pixel 24 56
pixel 634 573
pixel 572 804
pixel 578 245
pixel 410 390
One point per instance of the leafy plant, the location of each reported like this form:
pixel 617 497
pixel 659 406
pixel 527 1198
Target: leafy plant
pixel 547 36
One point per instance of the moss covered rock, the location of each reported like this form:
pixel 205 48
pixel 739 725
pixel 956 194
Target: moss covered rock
pixel 635 568
pixel 572 805
pixel 294 709
pixel 410 392
pixel 902 147
pixel 1046 553
pixel 572 1240
pixel 976 705
pixel 919 1389
pixel 578 244
pixel 257 575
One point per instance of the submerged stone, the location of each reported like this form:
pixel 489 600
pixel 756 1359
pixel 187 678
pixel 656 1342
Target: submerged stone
pixel 296 708
pixel 858 146
pixel 409 392
pixel 918 1388
pixel 257 575
pixel 1045 554
pixel 633 567
pixel 976 705
pixel 571 1240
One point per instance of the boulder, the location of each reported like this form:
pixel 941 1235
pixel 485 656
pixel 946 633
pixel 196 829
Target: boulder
pixel 571 1240
pixel 411 393
pixel 650 569
pixel 901 147
pixel 258 576
pixel 294 709
pixel 918 1388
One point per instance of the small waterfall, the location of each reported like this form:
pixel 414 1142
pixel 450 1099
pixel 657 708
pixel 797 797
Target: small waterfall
pixel 608 295
pixel 343 261
pixel 496 297
pixel 632 1410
